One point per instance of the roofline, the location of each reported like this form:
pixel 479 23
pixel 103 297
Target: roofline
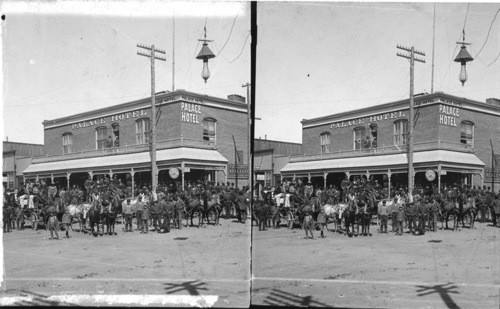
pixel 355 112
pixel 144 100
pixel 270 140
pixel 21 143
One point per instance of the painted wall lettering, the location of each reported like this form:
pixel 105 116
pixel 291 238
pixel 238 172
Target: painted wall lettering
pixel 370 119
pixel 448 115
pixel 113 118
pixel 190 112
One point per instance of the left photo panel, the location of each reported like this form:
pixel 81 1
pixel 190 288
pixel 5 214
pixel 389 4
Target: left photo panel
pixel 126 153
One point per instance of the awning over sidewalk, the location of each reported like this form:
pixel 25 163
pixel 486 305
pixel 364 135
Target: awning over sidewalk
pixel 432 157
pixel 173 155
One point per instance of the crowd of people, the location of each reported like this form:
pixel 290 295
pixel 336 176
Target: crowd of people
pixel 55 207
pixel 312 207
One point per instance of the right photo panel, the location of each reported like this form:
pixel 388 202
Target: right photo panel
pixel 376 155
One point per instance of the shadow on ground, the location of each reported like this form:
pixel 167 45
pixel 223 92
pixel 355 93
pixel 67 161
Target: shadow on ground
pixel 444 290
pixel 38 300
pixel 192 287
pixel 281 298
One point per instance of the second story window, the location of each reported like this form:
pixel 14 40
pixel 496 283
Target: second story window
pixel 359 138
pixel 142 129
pixel 101 136
pixel 401 132
pixel 209 130
pixel 324 140
pixel 467 133
pixel 116 134
pixel 67 141
pixel 373 131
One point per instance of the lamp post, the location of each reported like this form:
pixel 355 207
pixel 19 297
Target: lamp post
pixel 463 57
pixel 205 54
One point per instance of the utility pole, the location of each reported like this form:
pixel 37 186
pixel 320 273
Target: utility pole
pixel 433 45
pixel 250 167
pixel 236 159
pixel 411 57
pixel 152 57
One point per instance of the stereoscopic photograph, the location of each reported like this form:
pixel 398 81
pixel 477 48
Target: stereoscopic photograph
pixel 126 153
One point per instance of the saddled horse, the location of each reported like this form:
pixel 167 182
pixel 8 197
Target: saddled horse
pixel 335 212
pixel 213 209
pixel 193 205
pixel 449 207
pixel 350 215
pixel 94 216
pixel 79 212
pixel 468 212
pixel 109 218
pixel 365 216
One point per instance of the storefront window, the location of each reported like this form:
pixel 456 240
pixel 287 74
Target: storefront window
pixel 324 139
pixel 467 133
pixel 209 130
pixel 359 138
pixel 142 129
pixel 101 134
pixel 400 132
pixel 67 141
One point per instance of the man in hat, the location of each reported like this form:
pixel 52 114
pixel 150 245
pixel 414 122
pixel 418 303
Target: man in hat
pixel 309 224
pixel 383 212
pixel 411 212
pixel 242 205
pixel 128 212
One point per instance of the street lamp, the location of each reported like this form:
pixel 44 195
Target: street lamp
pixel 205 54
pixel 463 57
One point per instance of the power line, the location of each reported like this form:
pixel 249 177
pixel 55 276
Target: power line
pixel 488 35
pixel 231 31
pixel 242 49
pixel 498 56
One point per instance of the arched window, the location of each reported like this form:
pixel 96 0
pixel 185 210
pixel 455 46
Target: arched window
pixel 467 133
pixel 116 134
pixel 101 137
pixel 373 131
pixel 401 132
pixel 142 129
pixel 67 141
pixel 359 137
pixel 324 140
pixel 209 130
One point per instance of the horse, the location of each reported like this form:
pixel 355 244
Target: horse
pixel 110 218
pixel 469 212
pixel 350 214
pixel 335 212
pixel 213 209
pixel 365 216
pixel 79 212
pixel 449 208
pixel 95 219
pixel 193 205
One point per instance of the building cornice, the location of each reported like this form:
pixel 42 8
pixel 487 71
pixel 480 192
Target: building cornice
pixel 424 100
pixel 161 99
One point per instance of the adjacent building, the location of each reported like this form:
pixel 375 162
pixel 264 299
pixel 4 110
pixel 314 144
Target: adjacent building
pixel 454 143
pixel 199 137
pixel 270 157
pixel 16 158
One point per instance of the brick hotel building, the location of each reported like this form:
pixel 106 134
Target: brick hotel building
pixel 452 143
pixel 196 138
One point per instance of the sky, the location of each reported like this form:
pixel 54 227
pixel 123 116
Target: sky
pixel 318 59
pixel 61 58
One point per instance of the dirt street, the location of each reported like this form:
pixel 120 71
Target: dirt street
pixel 446 269
pixel 200 267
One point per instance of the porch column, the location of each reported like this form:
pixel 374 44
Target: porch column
pixel 439 178
pixel 133 181
pixel 36 178
pixel 51 178
pixel 482 180
pixel 308 177
pixel 389 174
pixel 182 173
pixel 110 174
pixel 324 177
pixel 67 180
